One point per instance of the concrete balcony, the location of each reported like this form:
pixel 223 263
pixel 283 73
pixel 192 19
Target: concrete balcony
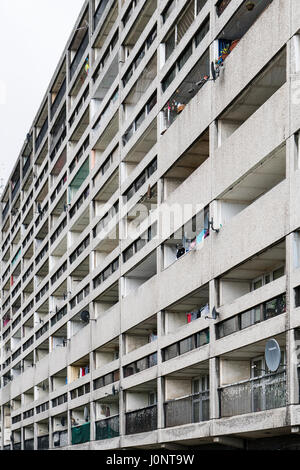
pixel 230 162
pixel 267 35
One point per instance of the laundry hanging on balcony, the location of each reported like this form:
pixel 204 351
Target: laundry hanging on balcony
pixel 81 434
pixel 87 66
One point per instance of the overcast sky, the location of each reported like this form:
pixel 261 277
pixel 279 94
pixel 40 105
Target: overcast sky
pixel 33 34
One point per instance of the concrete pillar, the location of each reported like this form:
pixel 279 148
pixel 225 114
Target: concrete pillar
pixel 35 436
pixel 213 361
pixel 92 421
pixel 160 403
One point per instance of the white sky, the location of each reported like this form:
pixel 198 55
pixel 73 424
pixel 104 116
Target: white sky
pixel 33 34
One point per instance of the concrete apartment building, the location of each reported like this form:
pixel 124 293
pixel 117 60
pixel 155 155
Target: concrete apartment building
pixel 150 234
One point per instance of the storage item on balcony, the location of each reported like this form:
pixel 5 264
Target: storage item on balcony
pixel 81 434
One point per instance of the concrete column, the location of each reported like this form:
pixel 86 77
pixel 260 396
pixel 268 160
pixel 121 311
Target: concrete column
pixel 213 362
pixel 69 428
pixel 35 436
pixel 122 409
pixel 92 421
pixel 160 403
pixel 50 433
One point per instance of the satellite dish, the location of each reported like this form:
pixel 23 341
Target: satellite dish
pixel 85 316
pixel 215 314
pixel 272 355
pixel 213 71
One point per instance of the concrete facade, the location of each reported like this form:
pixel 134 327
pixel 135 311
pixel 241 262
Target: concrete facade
pixel 135 150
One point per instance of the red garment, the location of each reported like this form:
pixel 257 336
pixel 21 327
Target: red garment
pixel 189 317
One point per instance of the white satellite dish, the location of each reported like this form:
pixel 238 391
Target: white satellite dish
pixel 272 355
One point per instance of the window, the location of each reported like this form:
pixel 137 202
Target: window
pixel 251 317
pixel 168 10
pixel 260 313
pixel 228 327
pixel 199 5
pixel 186 54
pixel 297 296
pixel 188 344
pixel 202 32
pixel 136 246
pixel 267 278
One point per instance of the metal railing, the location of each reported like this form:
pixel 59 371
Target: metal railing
pixel 107 428
pixel 60 438
pixel 258 394
pixel 191 409
pixel 143 420
pixel 79 54
pixel 29 444
pixel 43 442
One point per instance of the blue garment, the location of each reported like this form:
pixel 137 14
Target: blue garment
pixel 200 236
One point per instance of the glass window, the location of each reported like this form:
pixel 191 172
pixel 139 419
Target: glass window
pixel 228 327
pixel 278 273
pixel 275 307
pixel 142 364
pixel 128 253
pixel 170 352
pixel 202 32
pixel 257 284
pixel 129 370
pixel 168 10
pixel 169 78
pixel 200 4
pixel 202 338
pixel 186 345
pixel 140 119
pixel 153 360
pixel 170 44
pixel 185 56
pixel 185 21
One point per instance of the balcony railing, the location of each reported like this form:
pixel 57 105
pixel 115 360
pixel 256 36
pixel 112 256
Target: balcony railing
pixel 190 409
pixel 79 54
pixel 143 420
pixel 258 394
pixel 29 444
pixel 43 443
pixel 60 438
pixel 107 428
